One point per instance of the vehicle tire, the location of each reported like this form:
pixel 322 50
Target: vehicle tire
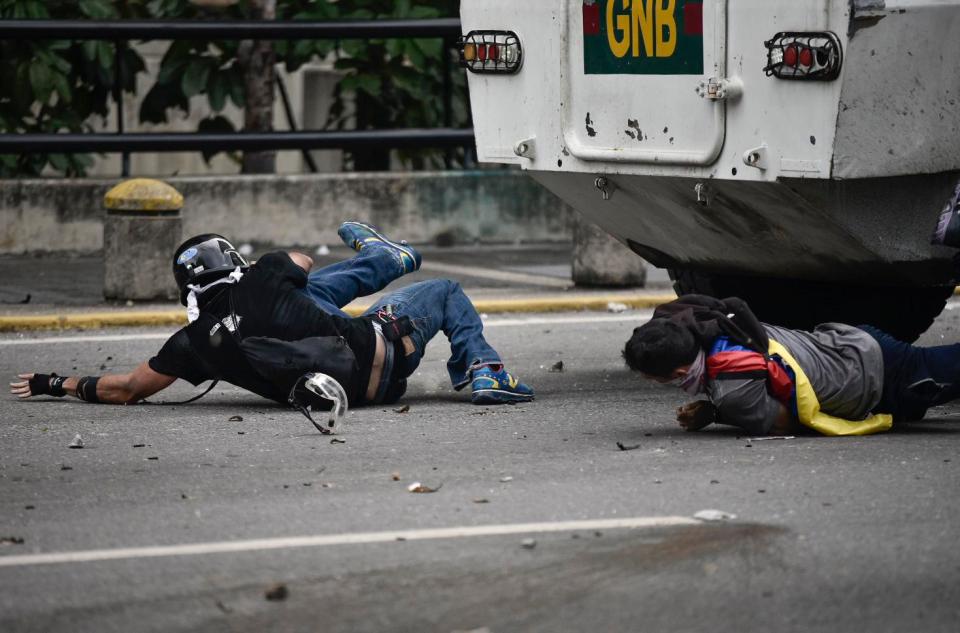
pixel 904 312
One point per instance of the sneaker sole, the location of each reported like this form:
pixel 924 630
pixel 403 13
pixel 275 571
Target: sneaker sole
pixel 406 250
pixel 498 396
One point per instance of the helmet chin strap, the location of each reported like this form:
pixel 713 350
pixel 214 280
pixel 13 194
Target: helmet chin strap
pixel 193 309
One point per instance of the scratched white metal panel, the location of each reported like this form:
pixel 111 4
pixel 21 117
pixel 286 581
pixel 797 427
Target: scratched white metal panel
pixel 636 116
pixel 795 120
pixel 900 105
pixel 510 108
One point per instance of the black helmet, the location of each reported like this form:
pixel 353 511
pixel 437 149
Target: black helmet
pixel 203 259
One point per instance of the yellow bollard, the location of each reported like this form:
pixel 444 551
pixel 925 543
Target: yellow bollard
pixel 141 230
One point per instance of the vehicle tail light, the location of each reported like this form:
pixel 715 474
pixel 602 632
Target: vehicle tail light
pixel 491 52
pixel 815 56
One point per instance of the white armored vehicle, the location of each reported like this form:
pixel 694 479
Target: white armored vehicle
pixel 795 153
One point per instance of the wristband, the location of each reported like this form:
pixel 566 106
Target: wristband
pixel 87 389
pixel 47 384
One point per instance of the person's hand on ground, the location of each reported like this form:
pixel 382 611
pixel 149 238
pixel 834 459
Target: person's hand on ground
pixel 696 415
pixel 22 389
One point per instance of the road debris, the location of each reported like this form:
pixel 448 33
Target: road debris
pixel 528 543
pixel 276 592
pixel 139 445
pixel 557 367
pixel 714 515
pixel 337 440
pixel 505 479
pixel 322 250
pixel 25 300
pixel 771 437
pixel 153 458
pixel 235 418
pixel 616 307
pixel 223 607
pixel 395 476
pixel 481 500
pixel 420 488
pixel 77 442
pixel 627 447
pixel 10 540
pixel 65 467
pixel 405 408
pixel 246 249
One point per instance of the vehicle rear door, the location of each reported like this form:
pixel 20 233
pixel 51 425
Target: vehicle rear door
pixel 632 73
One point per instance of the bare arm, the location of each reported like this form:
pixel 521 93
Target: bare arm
pixel 112 388
pixel 303 261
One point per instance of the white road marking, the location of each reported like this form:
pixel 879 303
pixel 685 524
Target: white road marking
pixel 638 316
pixel 105 338
pixel 357 538
pixel 497 275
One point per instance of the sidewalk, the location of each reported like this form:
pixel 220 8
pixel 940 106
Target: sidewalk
pixel 67 291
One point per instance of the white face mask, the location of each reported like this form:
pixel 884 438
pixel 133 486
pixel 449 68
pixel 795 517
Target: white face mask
pixel 693 381
pixel 193 307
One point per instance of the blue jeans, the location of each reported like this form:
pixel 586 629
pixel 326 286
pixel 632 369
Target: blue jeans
pixel 433 305
pixel 915 378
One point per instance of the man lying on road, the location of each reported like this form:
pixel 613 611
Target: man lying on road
pixel 838 379
pixel 260 327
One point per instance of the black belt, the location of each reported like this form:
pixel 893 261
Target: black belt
pixel 389 357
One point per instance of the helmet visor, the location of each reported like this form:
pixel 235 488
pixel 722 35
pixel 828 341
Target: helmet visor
pixel 317 392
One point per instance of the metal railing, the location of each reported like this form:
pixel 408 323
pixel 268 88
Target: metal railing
pixel 121 31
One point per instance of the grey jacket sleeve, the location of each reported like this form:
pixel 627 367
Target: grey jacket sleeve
pixel 744 403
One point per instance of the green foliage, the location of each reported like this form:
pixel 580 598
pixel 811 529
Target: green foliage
pixel 396 83
pixel 60 85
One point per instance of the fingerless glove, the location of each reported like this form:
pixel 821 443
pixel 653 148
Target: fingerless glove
pixel 47 384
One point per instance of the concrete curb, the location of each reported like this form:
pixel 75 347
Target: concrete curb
pixel 96 320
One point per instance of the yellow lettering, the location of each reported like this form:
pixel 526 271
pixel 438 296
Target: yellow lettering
pixel 666 23
pixel 619 47
pixel 643 25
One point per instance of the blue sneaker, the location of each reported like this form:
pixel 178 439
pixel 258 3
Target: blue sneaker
pixel 498 387
pixel 358 236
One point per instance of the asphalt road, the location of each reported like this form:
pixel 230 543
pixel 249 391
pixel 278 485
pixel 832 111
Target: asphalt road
pixel 829 535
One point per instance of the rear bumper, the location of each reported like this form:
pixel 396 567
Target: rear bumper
pixel 869 231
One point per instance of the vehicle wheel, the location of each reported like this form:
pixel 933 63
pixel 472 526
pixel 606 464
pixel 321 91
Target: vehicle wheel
pixel 903 312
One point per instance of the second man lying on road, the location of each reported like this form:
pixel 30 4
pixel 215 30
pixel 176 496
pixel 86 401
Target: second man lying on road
pixel 837 380
pixel 260 326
